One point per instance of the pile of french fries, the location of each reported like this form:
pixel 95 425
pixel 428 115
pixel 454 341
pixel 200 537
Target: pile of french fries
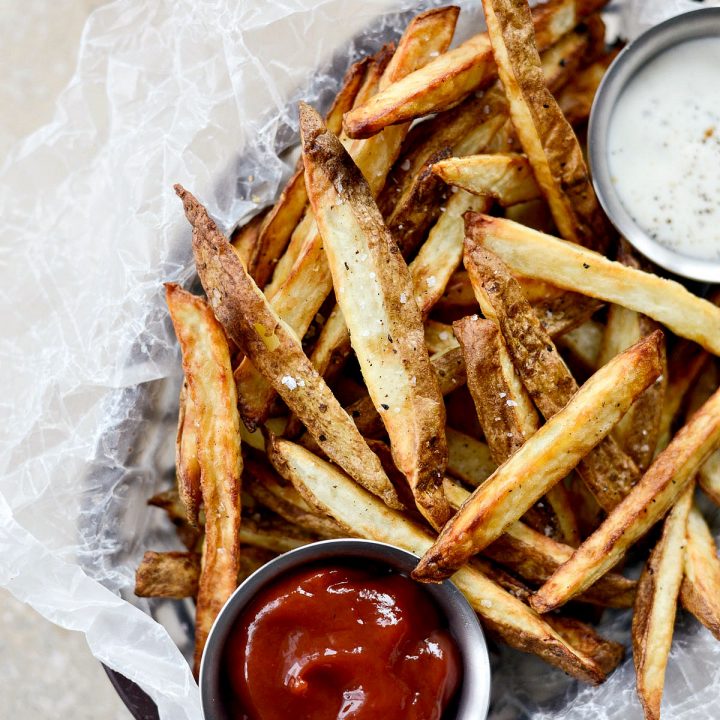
pixel 404 349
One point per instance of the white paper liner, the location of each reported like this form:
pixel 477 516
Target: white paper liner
pixel 203 94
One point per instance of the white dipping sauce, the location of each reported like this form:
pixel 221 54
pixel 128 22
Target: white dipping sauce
pixel 664 148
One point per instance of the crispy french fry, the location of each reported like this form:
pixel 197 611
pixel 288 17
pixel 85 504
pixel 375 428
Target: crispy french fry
pixel 535 556
pixel 169 501
pixel 265 486
pixel 607 471
pixel 606 653
pixel 583 345
pixel 547 138
pixel 709 477
pixel 327 489
pixel 576 98
pixel 309 281
pixel 245 239
pixel 439 337
pixel 168 575
pixel 453 75
pixel 653 619
pixel 569 266
pixel 374 290
pixel 505 410
pixel 507 178
pixel 648 501
pixel 468 459
pixel 186 458
pixel 700 589
pixel 547 457
pixel 274 349
pixel 206 362
pixel 275 535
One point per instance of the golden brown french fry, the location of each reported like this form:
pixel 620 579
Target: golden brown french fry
pixel 453 75
pixel 709 477
pixel 169 501
pixel 547 457
pixel 481 122
pixel 187 468
pixel 273 348
pixel 265 486
pixel 545 135
pixel 439 337
pixel 535 556
pixel 275 535
pixel 700 589
pixel 331 492
pixel 309 281
pixel 374 289
pixel 245 239
pixel 208 373
pixel 639 430
pixel 468 459
pixel 576 98
pixel 606 653
pixel 648 501
pixel 505 410
pixel 168 575
pixel 583 345
pixel 508 178
pixel 607 471
pixel 653 619
pixel 284 216
pixel 575 268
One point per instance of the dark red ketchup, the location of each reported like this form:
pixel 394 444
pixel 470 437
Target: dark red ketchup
pixel 341 642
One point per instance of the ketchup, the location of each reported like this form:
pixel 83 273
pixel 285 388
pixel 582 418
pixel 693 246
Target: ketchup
pixel 341 642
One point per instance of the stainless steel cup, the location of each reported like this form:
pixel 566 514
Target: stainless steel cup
pixel 474 693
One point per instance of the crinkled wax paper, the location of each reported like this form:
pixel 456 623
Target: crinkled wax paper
pixel 201 93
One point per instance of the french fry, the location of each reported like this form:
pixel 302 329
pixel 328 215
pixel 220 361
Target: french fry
pixel 469 459
pixel 648 501
pixel 505 410
pixel 275 350
pixel 375 293
pixel 245 239
pixel 274 535
pixel 508 178
pixel 439 337
pixel 535 556
pixel 547 457
pixel 547 138
pixel 583 345
pixel 169 501
pixel 309 281
pixel 186 458
pixel 331 492
pixel 168 575
pixel 265 486
pixel 480 123
pixel 700 589
pixel 206 362
pixel 576 98
pixel 653 619
pixel 709 477
pixel 607 471
pixel 575 268
pixel 453 75
pixel 278 225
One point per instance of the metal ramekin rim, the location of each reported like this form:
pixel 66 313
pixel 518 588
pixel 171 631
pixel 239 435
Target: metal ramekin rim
pixel 695 24
pixel 463 623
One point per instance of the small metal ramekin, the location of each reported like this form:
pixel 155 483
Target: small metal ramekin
pixel 474 694
pixel 692 25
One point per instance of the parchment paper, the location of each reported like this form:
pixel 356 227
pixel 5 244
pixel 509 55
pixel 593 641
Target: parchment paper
pixel 201 93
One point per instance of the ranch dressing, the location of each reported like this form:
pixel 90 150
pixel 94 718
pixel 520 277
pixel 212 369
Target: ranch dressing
pixel 664 148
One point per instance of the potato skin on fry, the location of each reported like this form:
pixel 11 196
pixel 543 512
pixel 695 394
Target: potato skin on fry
pixel 374 289
pixel 208 372
pixel 168 574
pixel 273 348
pixel 648 501
pixel 655 603
pixel 186 458
pixel 548 456
pixel 545 135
